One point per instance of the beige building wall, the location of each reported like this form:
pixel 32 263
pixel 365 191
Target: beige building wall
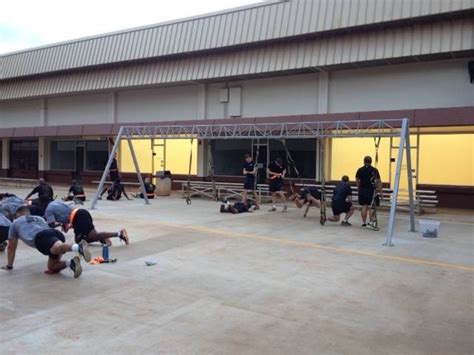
pixel 70 110
pixel 20 114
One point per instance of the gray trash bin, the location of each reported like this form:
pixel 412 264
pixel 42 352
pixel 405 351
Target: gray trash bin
pixel 163 183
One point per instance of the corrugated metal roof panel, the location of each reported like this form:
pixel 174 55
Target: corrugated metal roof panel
pixel 262 22
pixel 409 41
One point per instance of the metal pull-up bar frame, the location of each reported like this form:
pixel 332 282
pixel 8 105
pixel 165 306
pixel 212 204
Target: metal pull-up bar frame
pixel 286 130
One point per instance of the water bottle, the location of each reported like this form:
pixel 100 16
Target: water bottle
pixel 105 253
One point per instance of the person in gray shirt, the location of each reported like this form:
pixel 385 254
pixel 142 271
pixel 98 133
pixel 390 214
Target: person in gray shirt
pixel 35 233
pixel 4 227
pixel 61 214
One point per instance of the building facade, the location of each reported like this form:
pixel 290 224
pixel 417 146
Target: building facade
pixel 61 105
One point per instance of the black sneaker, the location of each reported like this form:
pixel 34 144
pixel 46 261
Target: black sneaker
pixel 364 225
pixel 222 208
pixel 75 266
pixel 84 250
pixel 345 224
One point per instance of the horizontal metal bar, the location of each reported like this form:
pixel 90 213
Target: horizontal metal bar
pixel 287 130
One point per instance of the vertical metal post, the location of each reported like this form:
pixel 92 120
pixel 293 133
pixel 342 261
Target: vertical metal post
pixel 396 184
pixel 107 167
pixel 410 180
pixel 137 169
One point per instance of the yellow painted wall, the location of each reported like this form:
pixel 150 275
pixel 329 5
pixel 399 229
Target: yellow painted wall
pixel 445 159
pixel 348 156
pixel 177 156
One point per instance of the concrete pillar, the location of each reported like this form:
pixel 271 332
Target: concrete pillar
pixel 201 170
pixel 201 104
pixel 113 107
pixel 44 112
pixel 323 92
pixel 5 156
pixel 41 156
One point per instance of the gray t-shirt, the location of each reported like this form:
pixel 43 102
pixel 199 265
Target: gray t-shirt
pixel 57 212
pixel 4 221
pixel 9 206
pixel 26 228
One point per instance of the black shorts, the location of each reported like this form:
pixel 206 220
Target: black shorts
pixel 275 185
pixel 4 233
pixel 366 196
pixel 249 183
pixel 44 240
pixel 312 191
pixel 338 208
pixel 82 223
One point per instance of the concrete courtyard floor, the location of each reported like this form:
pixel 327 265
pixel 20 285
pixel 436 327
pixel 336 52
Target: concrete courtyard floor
pixel 259 283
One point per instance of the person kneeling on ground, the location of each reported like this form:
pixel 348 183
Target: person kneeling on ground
pixel 309 195
pixel 115 191
pixel 60 214
pixel 149 188
pixel 341 202
pixel 238 207
pixel 35 233
pixel 76 193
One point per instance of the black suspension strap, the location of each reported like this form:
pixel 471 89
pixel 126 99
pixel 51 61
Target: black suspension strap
pixel 377 145
pixel 291 165
pixel 210 164
pixel 323 182
pixel 188 185
pixel 257 155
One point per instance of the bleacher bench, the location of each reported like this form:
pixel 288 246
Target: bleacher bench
pixel 224 190
pixel 18 182
pixel 424 199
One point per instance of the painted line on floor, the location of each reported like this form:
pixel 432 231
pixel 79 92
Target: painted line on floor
pixel 404 259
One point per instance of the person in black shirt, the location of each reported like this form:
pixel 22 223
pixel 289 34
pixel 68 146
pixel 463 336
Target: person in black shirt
pixel 113 171
pixel 116 190
pixel 276 173
pixel 309 195
pixel 250 172
pixel 238 207
pixel 341 202
pixel 368 183
pixel 75 193
pixel 45 195
pixel 149 188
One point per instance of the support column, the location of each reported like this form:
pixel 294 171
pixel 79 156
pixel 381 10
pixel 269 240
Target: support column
pixel 41 156
pixel 201 104
pixel 5 156
pixel 113 107
pixel 323 92
pixel 201 159
pixel 44 112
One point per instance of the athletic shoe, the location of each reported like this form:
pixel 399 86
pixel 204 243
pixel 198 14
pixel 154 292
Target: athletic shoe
pixel 123 235
pixel 256 208
pixel 372 226
pixel 77 201
pixel 346 224
pixel 273 209
pixel 84 250
pixel 3 245
pixel 222 208
pixel 99 198
pixel 285 208
pixel 75 266
pixel 364 225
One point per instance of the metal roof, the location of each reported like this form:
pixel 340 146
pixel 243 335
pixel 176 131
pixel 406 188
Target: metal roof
pixel 267 21
pixel 408 43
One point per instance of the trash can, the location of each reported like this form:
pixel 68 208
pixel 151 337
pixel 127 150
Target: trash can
pixel 163 183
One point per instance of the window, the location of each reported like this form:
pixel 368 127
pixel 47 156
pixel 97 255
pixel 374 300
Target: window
pixel 228 155
pixel 24 155
pixel 63 155
pixel 97 154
